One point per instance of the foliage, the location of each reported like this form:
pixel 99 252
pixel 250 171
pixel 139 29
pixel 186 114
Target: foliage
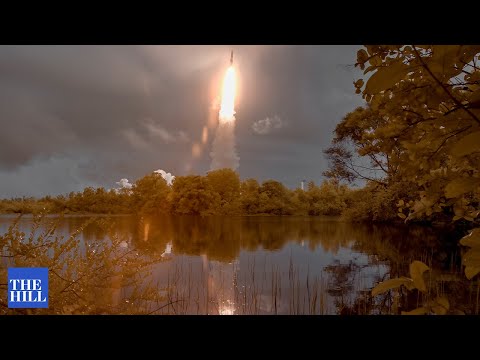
pixel 84 277
pixel 150 194
pixel 250 197
pixel 194 195
pixel 375 202
pixel 471 259
pixel 439 306
pixel 420 126
pixel 220 192
pixel 226 183
pixel 274 198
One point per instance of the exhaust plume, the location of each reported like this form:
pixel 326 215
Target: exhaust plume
pixel 223 152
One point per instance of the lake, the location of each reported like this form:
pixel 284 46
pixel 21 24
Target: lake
pixel 278 265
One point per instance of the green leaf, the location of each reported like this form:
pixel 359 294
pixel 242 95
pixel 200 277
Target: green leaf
pixel 390 284
pixel 471 271
pixel 466 145
pixel 417 268
pixel 385 77
pixel 472 239
pixel 419 311
pixel 441 305
pixel 460 186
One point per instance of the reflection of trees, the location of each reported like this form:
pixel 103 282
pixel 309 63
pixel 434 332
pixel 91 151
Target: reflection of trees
pixel 396 247
pixel 222 238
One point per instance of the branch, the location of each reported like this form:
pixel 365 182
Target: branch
pixel 161 307
pixel 365 177
pixel 454 99
pixel 53 272
pixel 448 137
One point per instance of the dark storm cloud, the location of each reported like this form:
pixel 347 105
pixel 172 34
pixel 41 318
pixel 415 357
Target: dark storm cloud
pixel 75 116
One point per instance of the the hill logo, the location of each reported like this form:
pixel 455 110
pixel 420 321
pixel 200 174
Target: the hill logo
pixel 28 287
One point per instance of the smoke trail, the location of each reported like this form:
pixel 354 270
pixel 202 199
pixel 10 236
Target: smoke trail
pixel 224 154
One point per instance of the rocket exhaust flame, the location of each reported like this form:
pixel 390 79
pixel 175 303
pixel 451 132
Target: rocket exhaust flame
pixel 223 152
pixel 227 107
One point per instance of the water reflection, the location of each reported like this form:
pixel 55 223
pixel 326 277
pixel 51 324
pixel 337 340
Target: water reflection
pixel 270 265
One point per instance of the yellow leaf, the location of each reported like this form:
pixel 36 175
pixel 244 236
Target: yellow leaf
pixel 362 55
pixel 400 203
pixel 461 186
pixel 443 59
pixel 376 61
pixel 401 215
pixel 358 83
pixel 441 305
pixel 389 284
pixel 466 145
pixel 409 284
pixel 418 311
pixel 472 258
pixel 472 239
pixel 471 271
pixel 417 268
pixel 385 77
pixel 475 97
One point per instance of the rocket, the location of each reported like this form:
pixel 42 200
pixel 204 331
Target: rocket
pixel 231 58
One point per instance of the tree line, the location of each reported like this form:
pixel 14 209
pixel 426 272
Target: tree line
pixel 219 192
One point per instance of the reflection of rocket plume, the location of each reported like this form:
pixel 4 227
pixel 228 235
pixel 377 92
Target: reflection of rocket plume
pixel 146 231
pixel 168 250
pixel 223 152
pixel 220 283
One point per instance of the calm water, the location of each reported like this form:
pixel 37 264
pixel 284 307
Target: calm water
pixel 277 265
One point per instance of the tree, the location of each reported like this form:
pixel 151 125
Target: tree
pixel 249 197
pixel 194 195
pixel 300 202
pixel 151 194
pixel 226 183
pixel 421 125
pixel 275 198
pixel 357 131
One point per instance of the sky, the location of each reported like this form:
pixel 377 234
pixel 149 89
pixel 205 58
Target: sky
pixel 78 116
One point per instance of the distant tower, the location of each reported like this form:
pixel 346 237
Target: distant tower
pixel 303 184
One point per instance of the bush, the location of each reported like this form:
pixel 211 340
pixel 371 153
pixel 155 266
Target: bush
pixel 84 278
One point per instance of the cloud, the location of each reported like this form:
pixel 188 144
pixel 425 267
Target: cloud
pixel 267 125
pixel 167 176
pixel 124 184
pixel 164 135
pixel 76 116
